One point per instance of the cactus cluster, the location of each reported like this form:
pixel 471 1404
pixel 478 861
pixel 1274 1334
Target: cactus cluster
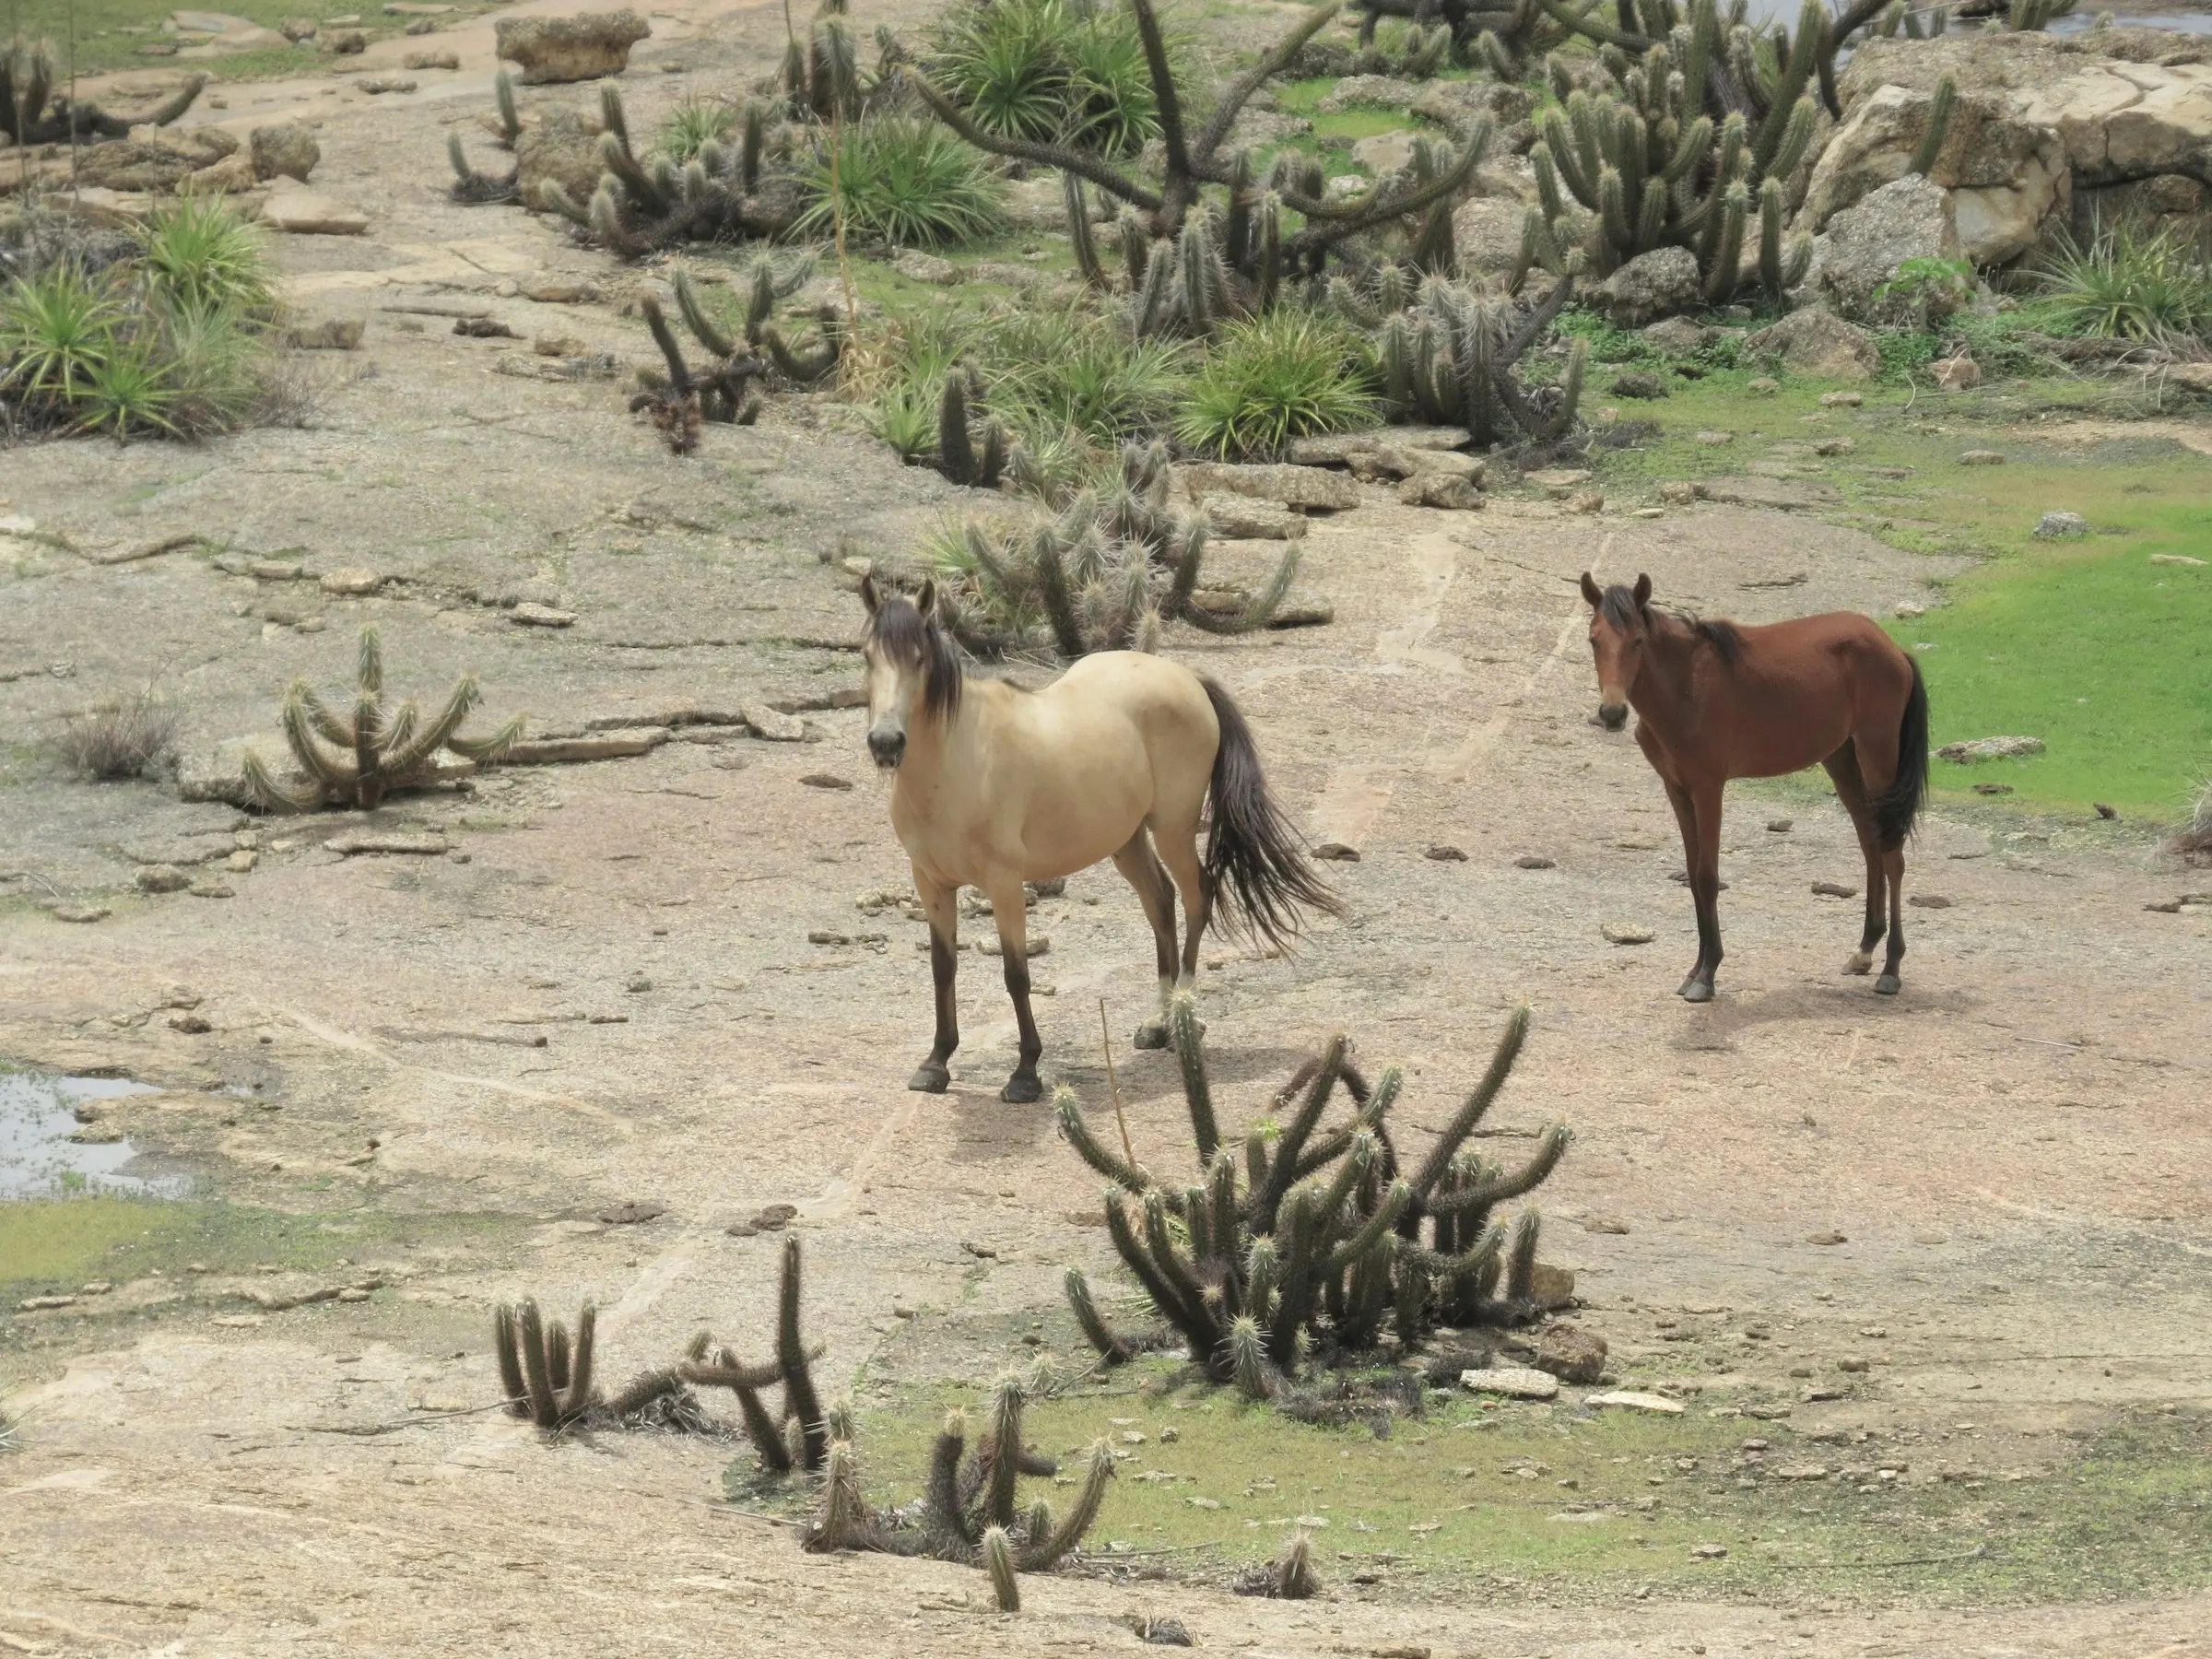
pixel 822 79
pixel 356 759
pixel 1306 1240
pixel 799 1433
pixel 544 1372
pixel 970 1511
pixel 1453 358
pixel 1289 1577
pixel 2033 16
pixel 725 390
pixel 1503 35
pixel 36 109
pixel 1101 575
pixel 471 187
pixel 1242 253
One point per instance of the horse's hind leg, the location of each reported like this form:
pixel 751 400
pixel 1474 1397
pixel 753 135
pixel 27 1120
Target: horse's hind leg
pixel 1851 789
pixel 1009 908
pixel 1705 886
pixel 1181 853
pixel 1893 868
pixel 1142 872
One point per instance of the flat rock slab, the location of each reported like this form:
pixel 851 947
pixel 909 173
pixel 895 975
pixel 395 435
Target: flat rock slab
pixel 349 845
pixel 1514 1381
pixel 602 745
pixel 1628 1399
pixel 1310 488
pixel 775 727
pixel 1991 748
pixel 1786 495
pixel 303 212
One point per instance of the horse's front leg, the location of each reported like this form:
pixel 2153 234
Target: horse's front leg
pixel 1705 886
pixel 1009 906
pixel 1686 817
pixel 933 1077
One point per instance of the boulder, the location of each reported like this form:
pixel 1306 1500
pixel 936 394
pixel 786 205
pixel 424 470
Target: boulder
pixel 1453 491
pixel 1457 105
pixel 1679 336
pixel 1243 518
pixel 2161 200
pixel 1651 286
pixel 559 149
pixel 1309 488
pixel 1815 341
pixel 292 206
pixel 1357 449
pixel 569 49
pixel 1485 236
pixel 1039 203
pixel 326 334
pixel 1959 373
pixel 1906 219
pixel 233 174
pixel 152 157
pixel 917 267
pixel 288 151
pixel 1572 1354
pixel 1369 92
pixel 1384 153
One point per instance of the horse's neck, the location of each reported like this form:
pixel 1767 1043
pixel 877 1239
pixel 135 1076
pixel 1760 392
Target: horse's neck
pixel 938 744
pixel 1665 689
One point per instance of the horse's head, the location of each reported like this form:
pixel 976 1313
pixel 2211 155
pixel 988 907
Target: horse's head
pixel 914 676
pixel 1620 624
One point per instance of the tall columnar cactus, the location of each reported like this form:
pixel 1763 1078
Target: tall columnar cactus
pixel 799 1433
pixel 822 79
pixel 1301 1237
pixel 356 759
pixel 37 105
pixel 545 1373
pixel 1103 575
pixel 1453 358
pixel 1750 67
pixel 960 457
pixel 1504 36
pixel 971 1509
pixel 471 186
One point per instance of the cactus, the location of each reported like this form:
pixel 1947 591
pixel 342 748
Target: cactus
pixel 970 1511
pixel 36 109
pixel 957 457
pixel 800 1432
pixel 1453 357
pixel 1309 1237
pixel 470 186
pixel 2032 16
pixel 1103 575
pixel 1504 36
pixel 377 749
pixel 1939 118
pixel 821 75
pixel 545 1374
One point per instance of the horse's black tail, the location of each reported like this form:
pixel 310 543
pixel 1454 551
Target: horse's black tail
pixel 1255 862
pixel 1896 807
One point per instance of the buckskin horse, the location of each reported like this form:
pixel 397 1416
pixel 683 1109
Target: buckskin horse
pixel 1714 701
pixel 995 786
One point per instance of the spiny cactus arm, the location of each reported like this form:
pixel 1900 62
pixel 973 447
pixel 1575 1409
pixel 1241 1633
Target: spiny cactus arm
pixel 1196 1326
pixel 1272 63
pixel 545 1405
pixel 1048 1546
pixel 300 733
pixel 845 1522
pixel 1939 120
pixel 1080 235
pixel 1190 557
pixel 1180 1275
pixel 956 453
pixel 1373 1230
pixel 1725 266
pixel 272 796
pixel 1113 1347
pixel 1047 561
pixel 1570 391
pixel 1457 1265
pixel 1329 222
pixel 998 1561
pixel 1259 610
pixel 1131 1177
pixel 1462 1124
pixel 696 319
pixel 726 1370
pixel 800 1400
pixel 576 1398
pixel 803 370
pixel 406 748
pixel 1294 1577
pixel 557 1361
pixel 645 191
pixel 1223 1213
pixel 486 749
pixel 945 1516
pixel 503 1339
pixel 1067 157
pixel 1532 326
pixel 1329 1202
pixel 679 374
pixel 1188 1035
pixel 1480 1194
pixel 1001 1449
pixel 1248 1361
pixel 511 120
pixel 1520 1255
pixel 1585 23
pixel 764 1431
pixel 554 199
pixel 644 1389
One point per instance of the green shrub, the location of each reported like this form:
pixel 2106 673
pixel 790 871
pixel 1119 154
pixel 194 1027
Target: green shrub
pixel 1074 370
pixel 57 328
pixel 197 252
pixel 1288 373
pixel 695 124
pixel 1044 69
pixel 904 182
pixel 2131 282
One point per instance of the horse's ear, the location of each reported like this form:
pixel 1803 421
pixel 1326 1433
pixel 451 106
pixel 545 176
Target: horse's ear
pixel 868 596
pixel 926 601
pixel 1590 591
pixel 1644 592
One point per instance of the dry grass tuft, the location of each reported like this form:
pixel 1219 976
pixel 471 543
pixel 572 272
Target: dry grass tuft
pixel 121 737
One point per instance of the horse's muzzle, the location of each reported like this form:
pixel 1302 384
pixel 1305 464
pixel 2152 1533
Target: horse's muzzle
pixel 889 747
pixel 1613 716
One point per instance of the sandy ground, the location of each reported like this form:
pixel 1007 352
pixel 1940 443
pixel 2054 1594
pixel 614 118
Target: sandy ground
pixel 2016 1150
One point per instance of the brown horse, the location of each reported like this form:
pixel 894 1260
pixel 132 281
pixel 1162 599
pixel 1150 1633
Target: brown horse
pixel 1118 759
pixel 1715 702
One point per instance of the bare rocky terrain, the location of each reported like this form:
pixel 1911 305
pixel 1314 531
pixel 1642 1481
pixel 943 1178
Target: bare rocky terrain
pixel 648 981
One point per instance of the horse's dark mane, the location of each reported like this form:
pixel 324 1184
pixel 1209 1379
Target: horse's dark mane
pixel 1619 607
pixel 903 633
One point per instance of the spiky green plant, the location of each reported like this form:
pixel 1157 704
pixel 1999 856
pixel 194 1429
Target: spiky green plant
pixel 356 759
pixel 1505 36
pixel 1048 69
pixel 800 1432
pixel 57 326
pixel 1288 373
pixel 1453 357
pixel 197 252
pixel 131 393
pixel 696 122
pixel 902 182
pixel 545 1374
pixel 970 1511
pixel 2130 281
pixel 1315 1237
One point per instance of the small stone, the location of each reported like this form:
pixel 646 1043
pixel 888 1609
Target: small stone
pixel 1827 1238
pixel 1840 400
pixel 1834 890
pixel 1992 788
pixel 374 84
pixel 484 328
pixel 2176 558
pixel 97 1288
pixel 827 936
pixel 917 267
pixel 1625 933
pixel 1929 901
pixel 1571 1353
pixel 2105 810
pixel 1802 1472
pixel 89 912
pixel 2053 525
pixel 637 984
pixel 1639 383
pixel 1336 852
pixel 1605 1224
pixel 354 843
pixel 1764 385
pixel 190 1025
pixel 328 334
pixel 1707 1552
pixel 1679 492
pixel 1779 826
pixel 242 861
pixel 559 292
pixel 351 582
pixel 1243 518
pixel 531 615
pixel 1624 1399
pixel 1648 512
pixel 1445 490
pixel 1981 458
pixel 1714 440
pixel 1588 502
pixel 353 1293
pixel 37 1304
pixel 767 724
pixel 1852 1363
pixel 1534 861
pixel 431 60
pixel 1991 748
pixel 632 1213
pixel 208 888
pixel 559 345
pixel 1515 1383
pixel 1959 373
pixel 1906 610
pixel 160 878
pixel 1443 852
pixel 1832 447
pixel 1552 1288
pixel 822 780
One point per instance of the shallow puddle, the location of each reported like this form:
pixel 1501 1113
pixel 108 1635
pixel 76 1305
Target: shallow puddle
pixel 38 1159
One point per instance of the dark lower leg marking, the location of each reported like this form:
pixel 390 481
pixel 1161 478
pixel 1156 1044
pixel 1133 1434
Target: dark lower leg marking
pixel 932 1075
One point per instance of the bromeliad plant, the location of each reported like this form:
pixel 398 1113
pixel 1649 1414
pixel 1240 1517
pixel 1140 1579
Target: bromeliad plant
pixel 1301 1242
pixel 356 759
pixel 970 1511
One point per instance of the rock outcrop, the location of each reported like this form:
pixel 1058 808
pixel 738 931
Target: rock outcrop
pixel 1911 219
pixel 571 48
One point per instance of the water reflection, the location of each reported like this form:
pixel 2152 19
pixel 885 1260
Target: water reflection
pixel 39 1159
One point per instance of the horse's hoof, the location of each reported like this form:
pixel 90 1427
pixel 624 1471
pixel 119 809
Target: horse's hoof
pixel 1152 1034
pixel 930 1078
pixel 1859 961
pixel 1697 990
pixel 1887 985
pixel 1019 1090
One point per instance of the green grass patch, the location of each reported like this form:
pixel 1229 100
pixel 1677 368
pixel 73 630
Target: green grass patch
pixel 2084 644
pixel 1540 1501
pixel 103 35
